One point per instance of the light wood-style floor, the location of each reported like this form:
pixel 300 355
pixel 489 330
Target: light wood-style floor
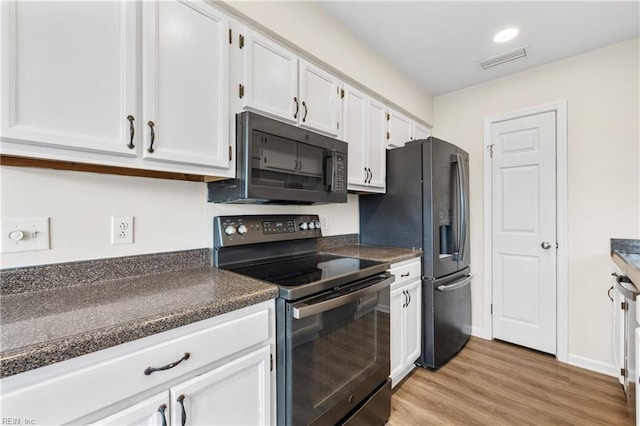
pixel 496 383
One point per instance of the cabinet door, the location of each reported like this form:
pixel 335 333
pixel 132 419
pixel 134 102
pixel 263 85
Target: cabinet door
pixel 399 129
pixel 185 86
pixel 319 99
pixel 398 300
pixel 377 152
pixel 412 323
pixel 270 78
pixel 235 394
pixel 420 131
pixel 354 132
pixel 68 77
pixel 152 411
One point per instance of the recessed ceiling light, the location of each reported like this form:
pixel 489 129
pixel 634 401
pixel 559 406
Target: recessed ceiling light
pixel 505 35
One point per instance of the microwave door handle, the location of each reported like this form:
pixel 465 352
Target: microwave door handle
pixel 330 170
pixel 303 310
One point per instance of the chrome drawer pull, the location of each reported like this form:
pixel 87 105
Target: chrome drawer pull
pixel 150 370
pixel 405 275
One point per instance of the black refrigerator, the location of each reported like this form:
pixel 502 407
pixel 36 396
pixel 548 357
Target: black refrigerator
pixel 426 207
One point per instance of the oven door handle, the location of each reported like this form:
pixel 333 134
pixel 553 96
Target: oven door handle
pixel 303 310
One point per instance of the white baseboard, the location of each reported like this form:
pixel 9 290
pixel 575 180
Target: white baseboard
pixel 480 332
pixel 593 365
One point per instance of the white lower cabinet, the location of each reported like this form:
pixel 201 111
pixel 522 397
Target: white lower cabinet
pixel 235 393
pixel 214 372
pixel 406 316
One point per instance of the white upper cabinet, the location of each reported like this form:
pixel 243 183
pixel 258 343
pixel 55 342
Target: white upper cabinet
pixel 72 79
pixel 277 83
pixel 185 96
pixel 319 99
pixel 270 78
pixel 69 73
pixel 400 129
pixel 420 131
pixel 364 130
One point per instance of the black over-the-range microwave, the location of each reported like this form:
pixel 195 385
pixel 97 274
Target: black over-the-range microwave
pixel 277 163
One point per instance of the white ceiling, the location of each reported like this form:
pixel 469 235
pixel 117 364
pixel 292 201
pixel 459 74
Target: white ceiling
pixel 437 43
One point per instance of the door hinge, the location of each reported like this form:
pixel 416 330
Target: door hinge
pixel 271 362
pixel 388 135
pixel 338 125
pixel 388 116
pixel 240 41
pixel 492 309
pixel 490 148
pixel 341 93
pixel 230 153
pixel 241 90
pixel 624 306
pixel 623 372
pixel 230 36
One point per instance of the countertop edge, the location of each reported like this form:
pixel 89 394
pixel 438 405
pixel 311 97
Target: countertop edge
pixel 627 268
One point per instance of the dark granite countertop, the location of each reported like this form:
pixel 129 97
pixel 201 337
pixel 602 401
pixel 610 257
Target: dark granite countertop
pixel 379 253
pixel 626 254
pixel 47 326
pixel 52 313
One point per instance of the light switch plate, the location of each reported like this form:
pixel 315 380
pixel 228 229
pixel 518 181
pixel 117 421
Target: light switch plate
pixel 24 234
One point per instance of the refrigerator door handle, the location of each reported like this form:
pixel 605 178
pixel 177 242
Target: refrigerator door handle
pixel 457 285
pixel 459 247
pixel 464 212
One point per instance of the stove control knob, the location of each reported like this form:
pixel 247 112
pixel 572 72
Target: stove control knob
pixel 317 225
pixel 230 230
pixel 312 225
pixel 303 226
pixel 242 229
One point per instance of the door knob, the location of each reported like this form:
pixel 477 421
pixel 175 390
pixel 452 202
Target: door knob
pixel 546 245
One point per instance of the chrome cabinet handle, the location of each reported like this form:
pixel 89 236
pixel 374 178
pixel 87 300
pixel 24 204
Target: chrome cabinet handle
pixel 295 115
pixel 131 132
pixel 304 117
pixel 405 275
pixel 404 293
pixel 161 410
pixel 409 296
pixel 366 175
pixel 183 419
pixel 150 370
pixel 546 245
pixel 370 175
pixel 153 137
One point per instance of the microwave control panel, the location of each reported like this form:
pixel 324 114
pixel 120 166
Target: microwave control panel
pixel 340 179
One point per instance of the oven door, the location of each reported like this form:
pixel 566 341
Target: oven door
pixel 337 351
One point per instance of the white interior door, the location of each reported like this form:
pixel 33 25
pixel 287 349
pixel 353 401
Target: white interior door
pixel 524 231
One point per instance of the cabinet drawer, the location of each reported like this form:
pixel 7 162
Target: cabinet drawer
pixel 405 272
pixel 83 385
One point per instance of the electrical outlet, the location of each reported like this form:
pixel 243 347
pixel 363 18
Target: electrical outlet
pixel 121 229
pixel 324 222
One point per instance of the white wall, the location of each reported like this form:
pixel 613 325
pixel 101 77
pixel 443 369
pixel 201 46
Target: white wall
pixel 602 90
pixel 173 215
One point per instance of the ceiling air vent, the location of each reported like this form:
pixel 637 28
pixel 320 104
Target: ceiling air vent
pixel 503 58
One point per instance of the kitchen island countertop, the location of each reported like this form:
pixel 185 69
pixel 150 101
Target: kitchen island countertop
pixel 626 254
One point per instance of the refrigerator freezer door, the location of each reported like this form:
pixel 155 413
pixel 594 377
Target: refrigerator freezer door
pixel 447 318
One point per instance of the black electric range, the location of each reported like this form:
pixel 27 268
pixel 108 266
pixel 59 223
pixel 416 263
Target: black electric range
pixel 332 318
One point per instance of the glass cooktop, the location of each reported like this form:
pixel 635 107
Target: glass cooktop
pixel 298 271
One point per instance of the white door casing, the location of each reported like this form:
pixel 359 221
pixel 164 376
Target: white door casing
pixel 524 231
